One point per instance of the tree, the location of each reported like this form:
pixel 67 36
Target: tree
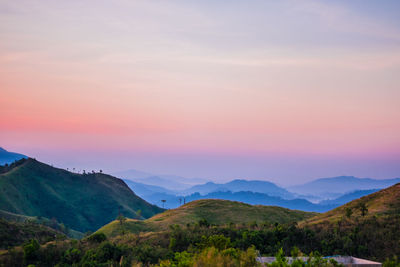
pixel 349 212
pixel 163 202
pixel 121 218
pixel 31 250
pixel 139 214
pixel 295 252
pixel 280 260
pixel 72 255
pixel 363 208
pixel 97 237
pixel 204 223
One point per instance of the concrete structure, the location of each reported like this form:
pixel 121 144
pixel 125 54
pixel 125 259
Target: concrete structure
pixel 347 261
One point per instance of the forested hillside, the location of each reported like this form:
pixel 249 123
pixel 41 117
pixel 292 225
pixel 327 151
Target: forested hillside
pixel 83 202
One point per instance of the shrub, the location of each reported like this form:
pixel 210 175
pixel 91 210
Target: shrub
pixel 97 237
pixel 31 250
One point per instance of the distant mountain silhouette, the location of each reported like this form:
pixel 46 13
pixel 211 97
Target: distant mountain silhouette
pixel 132 174
pixel 325 187
pixel 255 186
pixel 174 201
pixel 163 182
pixel 171 182
pixel 7 157
pixel 265 193
pixel 145 189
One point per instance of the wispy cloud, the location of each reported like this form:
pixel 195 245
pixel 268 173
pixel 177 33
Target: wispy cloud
pixel 339 17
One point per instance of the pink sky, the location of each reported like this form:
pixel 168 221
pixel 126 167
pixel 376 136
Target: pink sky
pixel 181 86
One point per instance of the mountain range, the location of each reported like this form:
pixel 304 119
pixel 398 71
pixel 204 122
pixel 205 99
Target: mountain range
pixel 146 189
pixel 174 201
pixel 325 187
pixel 255 186
pixel 172 191
pixel 254 192
pixel 324 191
pixel 170 182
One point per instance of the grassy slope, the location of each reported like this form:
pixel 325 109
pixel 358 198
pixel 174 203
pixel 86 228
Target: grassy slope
pixel 377 234
pixel 383 203
pixel 82 202
pixel 214 211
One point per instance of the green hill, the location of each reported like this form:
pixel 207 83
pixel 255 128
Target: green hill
pixel 83 202
pixel 384 203
pixel 368 226
pixel 215 211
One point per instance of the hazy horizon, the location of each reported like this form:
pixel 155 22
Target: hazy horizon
pixel 286 91
pixel 89 164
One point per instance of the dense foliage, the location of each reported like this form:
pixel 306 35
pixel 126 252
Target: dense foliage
pixel 202 244
pixel 21 223
pixel 16 233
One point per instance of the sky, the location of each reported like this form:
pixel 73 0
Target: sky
pixel 285 91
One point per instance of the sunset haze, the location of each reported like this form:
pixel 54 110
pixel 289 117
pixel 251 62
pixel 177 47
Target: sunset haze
pixel 286 91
